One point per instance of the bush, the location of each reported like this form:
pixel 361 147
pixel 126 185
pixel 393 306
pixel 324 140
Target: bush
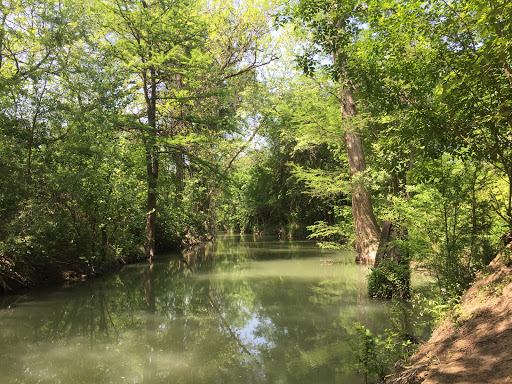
pixel 389 280
pixel 375 355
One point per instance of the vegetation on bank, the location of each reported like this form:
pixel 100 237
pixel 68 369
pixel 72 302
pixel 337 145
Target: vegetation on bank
pixel 132 126
pixel 118 121
pixel 478 326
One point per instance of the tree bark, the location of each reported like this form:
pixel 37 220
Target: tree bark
pixel 386 252
pixel 152 174
pixel 151 163
pixel 367 231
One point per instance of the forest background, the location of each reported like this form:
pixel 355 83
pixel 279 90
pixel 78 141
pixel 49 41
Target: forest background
pixel 129 127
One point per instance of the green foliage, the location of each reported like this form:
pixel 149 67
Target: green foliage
pixel 88 103
pixel 267 195
pixel 75 141
pixel 334 235
pixel 449 218
pixel 68 206
pixel 376 355
pixel 389 280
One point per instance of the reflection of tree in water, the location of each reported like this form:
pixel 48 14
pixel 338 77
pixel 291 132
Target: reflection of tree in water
pixel 192 319
pixel 306 344
pixel 193 258
pixel 87 315
pixel 151 325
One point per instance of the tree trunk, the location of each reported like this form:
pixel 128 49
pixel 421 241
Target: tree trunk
pixel 393 261
pixel 151 163
pixel 367 231
pixel 385 251
pixel 152 174
pixel 32 132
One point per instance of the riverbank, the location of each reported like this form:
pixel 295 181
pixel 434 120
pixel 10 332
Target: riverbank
pixel 473 344
pixel 19 274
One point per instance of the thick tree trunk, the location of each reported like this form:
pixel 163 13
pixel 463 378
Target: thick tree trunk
pixel 388 249
pixel 393 262
pixel 386 252
pixel 367 231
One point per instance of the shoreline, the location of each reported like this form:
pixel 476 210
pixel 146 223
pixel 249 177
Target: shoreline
pixel 472 344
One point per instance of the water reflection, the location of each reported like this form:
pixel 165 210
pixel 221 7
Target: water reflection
pixel 240 311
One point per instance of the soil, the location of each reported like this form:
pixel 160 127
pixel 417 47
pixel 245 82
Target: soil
pixel 474 343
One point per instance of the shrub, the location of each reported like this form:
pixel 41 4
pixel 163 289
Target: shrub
pixel 375 355
pixel 389 280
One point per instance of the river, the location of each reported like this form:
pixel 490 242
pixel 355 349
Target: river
pixel 242 310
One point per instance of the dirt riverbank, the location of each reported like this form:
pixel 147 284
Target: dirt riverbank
pixel 474 344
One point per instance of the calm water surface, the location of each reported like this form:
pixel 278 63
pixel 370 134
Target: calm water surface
pixel 243 310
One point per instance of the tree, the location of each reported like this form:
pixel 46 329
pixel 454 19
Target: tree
pixel 333 27
pixel 60 206
pixel 472 40
pixel 159 43
pixel 182 60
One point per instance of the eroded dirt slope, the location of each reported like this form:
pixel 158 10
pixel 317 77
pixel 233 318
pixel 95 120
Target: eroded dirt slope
pixel 474 345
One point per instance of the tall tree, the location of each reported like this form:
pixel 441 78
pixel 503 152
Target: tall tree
pixel 334 26
pixel 473 40
pixel 183 57
pixel 57 93
pixel 159 43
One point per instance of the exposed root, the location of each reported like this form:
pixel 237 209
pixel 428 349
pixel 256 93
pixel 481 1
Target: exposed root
pixel 407 375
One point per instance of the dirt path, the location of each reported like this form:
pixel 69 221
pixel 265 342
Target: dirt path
pixel 474 345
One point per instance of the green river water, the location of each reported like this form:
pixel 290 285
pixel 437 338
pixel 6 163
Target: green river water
pixel 242 310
